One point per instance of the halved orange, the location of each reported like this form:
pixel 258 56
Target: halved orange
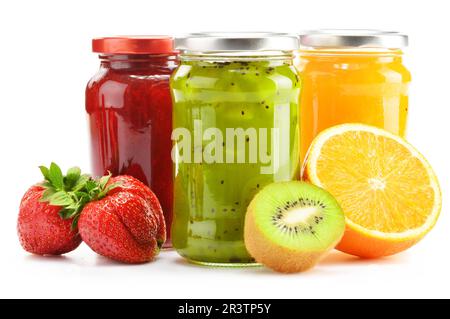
pixel 387 190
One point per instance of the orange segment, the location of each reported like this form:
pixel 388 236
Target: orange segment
pixel 388 191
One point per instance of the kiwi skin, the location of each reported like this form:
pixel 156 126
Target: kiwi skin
pixel 275 256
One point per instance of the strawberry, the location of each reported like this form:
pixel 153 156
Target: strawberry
pixel 126 225
pixel 117 217
pixel 40 227
pixel 133 185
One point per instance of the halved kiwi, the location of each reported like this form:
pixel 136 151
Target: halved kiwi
pixel 289 226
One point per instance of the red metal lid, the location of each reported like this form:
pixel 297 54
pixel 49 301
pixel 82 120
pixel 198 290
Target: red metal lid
pixel 153 44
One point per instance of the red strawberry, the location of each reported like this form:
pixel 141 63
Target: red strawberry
pixel 118 217
pixel 40 228
pixel 126 224
pixel 133 185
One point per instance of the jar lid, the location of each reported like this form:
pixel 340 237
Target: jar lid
pixel 239 41
pixel 153 44
pixel 353 39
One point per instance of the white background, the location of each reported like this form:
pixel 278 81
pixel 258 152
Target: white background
pixel 46 60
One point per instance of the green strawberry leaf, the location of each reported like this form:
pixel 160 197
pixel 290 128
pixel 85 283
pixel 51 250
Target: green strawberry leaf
pixel 47 185
pixel 106 190
pixel 73 171
pixel 45 172
pixel 75 222
pixel 65 213
pixel 104 180
pixel 60 198
pixel 90 185
pixel 47 194
pixel 55 176
pixel 72 177
pixel 81 182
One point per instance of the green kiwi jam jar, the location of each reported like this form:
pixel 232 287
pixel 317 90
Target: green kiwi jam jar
pixel 235 130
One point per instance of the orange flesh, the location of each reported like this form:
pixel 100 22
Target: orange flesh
pixel 361 87
pixel 379 183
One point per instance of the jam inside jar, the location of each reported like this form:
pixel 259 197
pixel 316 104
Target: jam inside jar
pixel 230 83
pixel 352 76
pixel 129 111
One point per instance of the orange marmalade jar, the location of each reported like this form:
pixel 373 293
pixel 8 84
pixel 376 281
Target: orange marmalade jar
pixel 352 76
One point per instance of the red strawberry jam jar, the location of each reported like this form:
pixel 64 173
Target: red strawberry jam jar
pixel 129 111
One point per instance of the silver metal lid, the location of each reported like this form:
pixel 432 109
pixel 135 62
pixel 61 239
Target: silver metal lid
pixel 353 39
pixel 239 41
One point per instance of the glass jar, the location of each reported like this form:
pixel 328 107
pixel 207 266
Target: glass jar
pixel 352 76
pixel 235 121
pixel 129 111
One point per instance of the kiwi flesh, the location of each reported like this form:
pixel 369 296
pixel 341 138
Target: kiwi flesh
pixel 289 226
